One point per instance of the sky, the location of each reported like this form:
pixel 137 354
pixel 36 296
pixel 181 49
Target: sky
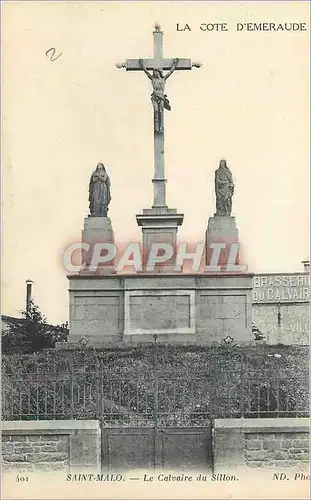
pixel 248 103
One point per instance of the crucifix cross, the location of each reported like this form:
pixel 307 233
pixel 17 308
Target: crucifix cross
pixel 157 62
pixel 154 68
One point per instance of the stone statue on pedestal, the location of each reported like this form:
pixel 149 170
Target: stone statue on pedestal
pixel 99 192
pixel 224 189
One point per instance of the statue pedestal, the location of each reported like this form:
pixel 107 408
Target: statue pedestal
pixel 221 229
pixel 159 225
pixel 98 231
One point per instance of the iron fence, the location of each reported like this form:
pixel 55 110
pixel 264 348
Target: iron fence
pixel 159 387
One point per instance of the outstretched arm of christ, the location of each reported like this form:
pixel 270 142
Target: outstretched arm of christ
pixel 172 69
pixel 141 64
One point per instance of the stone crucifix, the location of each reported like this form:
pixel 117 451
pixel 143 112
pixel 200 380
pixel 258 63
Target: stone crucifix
pixel 154 69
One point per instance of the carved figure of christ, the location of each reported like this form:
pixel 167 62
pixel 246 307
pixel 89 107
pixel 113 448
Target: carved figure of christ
pixel 154 69
pixel 158 98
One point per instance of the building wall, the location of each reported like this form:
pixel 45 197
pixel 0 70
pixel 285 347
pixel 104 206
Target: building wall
pixel 281 307
pixel 294 325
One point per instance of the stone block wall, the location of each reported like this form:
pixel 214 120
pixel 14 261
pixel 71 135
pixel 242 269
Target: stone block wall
pixel 51 445
pixel 261 443
pixel 49 452
pixel 75 446
pixel 286 449
pixel 202 309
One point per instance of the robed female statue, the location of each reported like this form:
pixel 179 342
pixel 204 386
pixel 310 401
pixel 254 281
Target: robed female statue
pixel 99 192
pixel 224 188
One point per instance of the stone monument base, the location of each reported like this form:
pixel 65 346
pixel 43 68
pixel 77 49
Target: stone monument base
pixel 221 229
pixel 177 308
pixel 97 230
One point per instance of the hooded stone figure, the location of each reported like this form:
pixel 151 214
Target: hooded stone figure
pixel 224 188
pixel 99 192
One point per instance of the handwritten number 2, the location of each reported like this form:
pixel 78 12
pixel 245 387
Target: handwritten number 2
pixel 51 54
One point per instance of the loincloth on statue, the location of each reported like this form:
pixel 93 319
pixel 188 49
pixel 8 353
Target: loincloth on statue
pixel 159 100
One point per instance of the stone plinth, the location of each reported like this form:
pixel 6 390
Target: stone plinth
pixel 178 308
pixel 98 230
pixel 159 225
pixel 221 229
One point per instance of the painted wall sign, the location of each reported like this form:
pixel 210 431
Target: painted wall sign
pixel 274 288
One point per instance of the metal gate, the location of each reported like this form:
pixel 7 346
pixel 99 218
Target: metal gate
pixel 158 448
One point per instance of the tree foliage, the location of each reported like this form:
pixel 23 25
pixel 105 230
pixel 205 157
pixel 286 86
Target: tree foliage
pixel 31 333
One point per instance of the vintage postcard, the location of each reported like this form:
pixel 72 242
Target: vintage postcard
pixel 155 237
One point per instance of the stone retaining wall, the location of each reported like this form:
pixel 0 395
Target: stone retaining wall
pixel 75 445
pixel 35 452
pixel 50 445
pixel 264 442
pixel 280 450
